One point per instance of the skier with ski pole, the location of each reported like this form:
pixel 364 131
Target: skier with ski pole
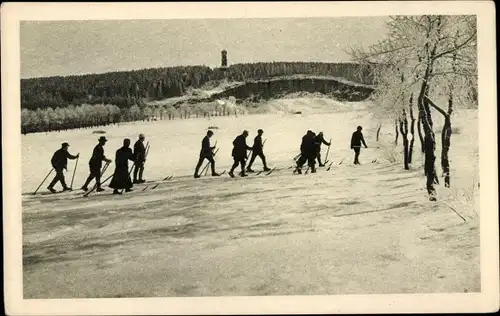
pixel 318 140
pixel 206 152
pixel 140 159
pixel 258 150
pixel 59 162
pixel 121 176
pixel 95 164
pixel 239 153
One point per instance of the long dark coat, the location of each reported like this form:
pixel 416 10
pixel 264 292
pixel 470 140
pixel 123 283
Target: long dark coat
pixel 121 177
pixel 307 147
pixel 240 148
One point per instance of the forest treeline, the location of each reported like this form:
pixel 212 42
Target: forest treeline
pixel 57 103
pixel 126 88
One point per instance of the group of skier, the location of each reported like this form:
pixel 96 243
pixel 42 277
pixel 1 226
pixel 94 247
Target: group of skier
pixel 310 151
pixel 121 177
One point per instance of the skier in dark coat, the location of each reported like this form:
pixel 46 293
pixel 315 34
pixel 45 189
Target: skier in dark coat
pixel 140 159
pixel 318 140
pixel 356 140
pixel 258 150
pixel 307 152
pixel 95 164
pixel 239 153
pixel 59 162
pixel 121 177
pixel 206 152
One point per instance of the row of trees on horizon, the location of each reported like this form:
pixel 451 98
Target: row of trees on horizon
pixel 96 115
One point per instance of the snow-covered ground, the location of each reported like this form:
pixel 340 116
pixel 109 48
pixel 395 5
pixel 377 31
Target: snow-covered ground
pixel 351 230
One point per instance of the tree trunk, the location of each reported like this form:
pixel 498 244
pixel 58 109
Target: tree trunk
pixel 378 130
pixel 397 133
pixel 429 142
pixel 403 127
pixel 412 131
pixel 445 138
pixel 445 141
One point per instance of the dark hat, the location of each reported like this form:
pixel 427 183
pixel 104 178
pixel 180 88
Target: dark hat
pixel 103 138
pixel 359 128
pixel 65 144
pixel 260 131
pixel 245 132
pixel 210 132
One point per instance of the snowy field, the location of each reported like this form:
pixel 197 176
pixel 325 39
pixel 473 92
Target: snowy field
pixel 366 229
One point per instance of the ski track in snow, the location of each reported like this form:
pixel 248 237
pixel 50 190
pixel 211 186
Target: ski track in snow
pixel 366 229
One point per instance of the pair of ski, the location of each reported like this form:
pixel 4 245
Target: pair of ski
pixel 295 171
pixel 157 183
pixel 266 172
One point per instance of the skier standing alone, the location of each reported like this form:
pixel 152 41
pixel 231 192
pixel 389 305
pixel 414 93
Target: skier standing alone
pixel 258 150
pixel 59 162
pixel 356 140
pixel 121 177
pixel 140 159
pixel 95 164
pixel 239 153
pixel 318 140
pixel 206 152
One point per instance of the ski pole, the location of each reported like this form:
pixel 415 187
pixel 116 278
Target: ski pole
pixel 43 181
pixel 102 173
pixel 205 169
pixel 328 151
pixel 105 167
pixel 297 157
pixel 95 186
pixel 74 171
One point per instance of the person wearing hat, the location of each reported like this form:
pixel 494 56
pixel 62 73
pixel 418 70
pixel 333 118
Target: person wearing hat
pixel 356 140
pixel 258 151
pixel 307 152
pixel 121 177
pixel 95 164
pixel 59 162
pixel 318 140
pixel 140 159
pixel 239 153
pixel 206 152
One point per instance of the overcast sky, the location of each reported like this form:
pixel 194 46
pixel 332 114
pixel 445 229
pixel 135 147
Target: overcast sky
pixel 79 47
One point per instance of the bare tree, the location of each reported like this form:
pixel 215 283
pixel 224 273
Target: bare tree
pixel 437 57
